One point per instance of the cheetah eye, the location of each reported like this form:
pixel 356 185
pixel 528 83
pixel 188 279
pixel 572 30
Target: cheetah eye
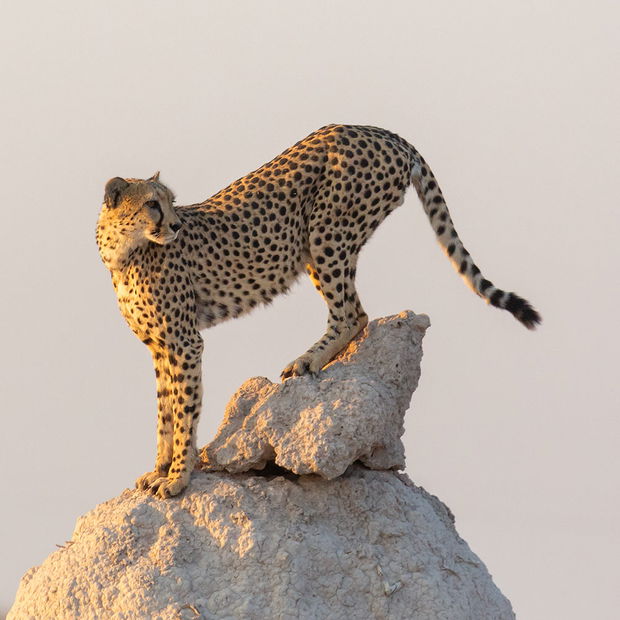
pixel 152 204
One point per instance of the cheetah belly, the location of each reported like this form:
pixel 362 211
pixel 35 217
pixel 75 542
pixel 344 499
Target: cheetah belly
pixel 218 302
pixel 205 317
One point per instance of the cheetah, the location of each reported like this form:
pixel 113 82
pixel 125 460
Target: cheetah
pixel 177 270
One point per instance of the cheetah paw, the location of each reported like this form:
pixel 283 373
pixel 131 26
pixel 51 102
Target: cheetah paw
pixel 295 369
pixel 304 365
pixel 144 482
pixel 168 487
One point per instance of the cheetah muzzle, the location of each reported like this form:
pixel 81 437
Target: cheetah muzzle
pixel 179 269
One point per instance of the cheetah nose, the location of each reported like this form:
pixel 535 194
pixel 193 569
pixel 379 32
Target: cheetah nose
pixel 176 227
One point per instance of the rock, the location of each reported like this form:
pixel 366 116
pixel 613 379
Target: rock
pixel 369 544
pixel 353 411
pixel 318 533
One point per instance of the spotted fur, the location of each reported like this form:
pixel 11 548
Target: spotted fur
pixel 178 270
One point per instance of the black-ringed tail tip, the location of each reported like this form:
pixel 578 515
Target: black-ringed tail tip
pixel 520 308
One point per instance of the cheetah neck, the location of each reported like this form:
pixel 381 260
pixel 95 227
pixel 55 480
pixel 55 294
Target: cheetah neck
pixel 115 247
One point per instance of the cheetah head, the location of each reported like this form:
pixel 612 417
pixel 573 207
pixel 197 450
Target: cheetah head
pixel 135 212
pixel 142 209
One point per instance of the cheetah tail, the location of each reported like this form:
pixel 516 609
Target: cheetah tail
pixel 436 209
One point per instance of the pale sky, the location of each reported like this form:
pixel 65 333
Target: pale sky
pixel 515 107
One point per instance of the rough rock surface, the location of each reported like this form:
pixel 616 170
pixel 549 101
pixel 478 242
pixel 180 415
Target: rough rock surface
pixel 368 544
pixel 352 411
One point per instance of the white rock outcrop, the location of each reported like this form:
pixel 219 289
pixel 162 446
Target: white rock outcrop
pixel 369 544
pixel 353 411
pixel 326 530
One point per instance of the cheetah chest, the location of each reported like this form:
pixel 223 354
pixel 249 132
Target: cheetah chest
pixel 134 307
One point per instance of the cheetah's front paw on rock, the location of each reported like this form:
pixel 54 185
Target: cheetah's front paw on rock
pixel 144 482
pixel 168 487
pixel 161 486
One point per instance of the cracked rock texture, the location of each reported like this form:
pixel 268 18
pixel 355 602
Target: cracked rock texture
pixel 369 544
pixel 353 411
pixel 325 530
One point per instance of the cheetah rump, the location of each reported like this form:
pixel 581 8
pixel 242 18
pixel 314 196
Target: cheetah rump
pixel 179 269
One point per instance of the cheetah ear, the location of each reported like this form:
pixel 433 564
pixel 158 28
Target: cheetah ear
pixel 113 190
pixel 155 177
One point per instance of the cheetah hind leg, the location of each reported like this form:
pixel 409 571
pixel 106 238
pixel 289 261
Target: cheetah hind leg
pixel 346 320
pixel 324 350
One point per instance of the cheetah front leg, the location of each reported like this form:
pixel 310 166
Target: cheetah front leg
pixel 164 420
pixel 184 393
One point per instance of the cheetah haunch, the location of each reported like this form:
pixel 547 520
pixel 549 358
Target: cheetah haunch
pixel 177 270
